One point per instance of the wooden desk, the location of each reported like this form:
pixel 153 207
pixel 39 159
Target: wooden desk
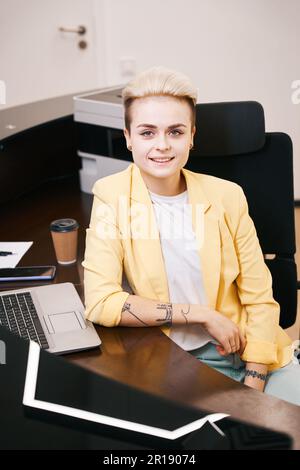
pixel 141 357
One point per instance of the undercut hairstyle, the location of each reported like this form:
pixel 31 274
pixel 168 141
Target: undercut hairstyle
pixel 159 81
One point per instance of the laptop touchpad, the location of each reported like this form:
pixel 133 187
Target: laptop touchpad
pixel 63 322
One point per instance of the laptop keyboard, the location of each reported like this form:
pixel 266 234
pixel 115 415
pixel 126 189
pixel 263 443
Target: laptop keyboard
pixel 19 315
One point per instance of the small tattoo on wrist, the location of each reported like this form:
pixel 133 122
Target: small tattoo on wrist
pixel 186 313
pixel 168 320
pixel 255 374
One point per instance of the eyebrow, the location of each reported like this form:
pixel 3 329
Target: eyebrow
pixel 155 127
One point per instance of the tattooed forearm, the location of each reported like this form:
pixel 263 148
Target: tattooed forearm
pixel 186 313
pixel 127 307
pixel 168 320
pixel 139 311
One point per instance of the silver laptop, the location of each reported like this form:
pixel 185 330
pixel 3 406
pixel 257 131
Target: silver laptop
pixel 51 315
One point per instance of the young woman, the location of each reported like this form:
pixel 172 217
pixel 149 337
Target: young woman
pixel 187 246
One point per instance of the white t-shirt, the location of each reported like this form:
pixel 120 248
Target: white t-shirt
pixel 182 263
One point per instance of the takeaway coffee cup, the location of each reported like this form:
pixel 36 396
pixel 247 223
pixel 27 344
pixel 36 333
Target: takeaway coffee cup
pixel 64 236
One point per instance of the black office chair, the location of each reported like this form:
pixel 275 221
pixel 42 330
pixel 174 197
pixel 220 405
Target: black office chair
pixel 231 143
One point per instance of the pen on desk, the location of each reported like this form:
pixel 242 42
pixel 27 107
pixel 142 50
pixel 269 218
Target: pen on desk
pixel 6 253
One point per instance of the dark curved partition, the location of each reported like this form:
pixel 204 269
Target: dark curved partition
pixel 37 143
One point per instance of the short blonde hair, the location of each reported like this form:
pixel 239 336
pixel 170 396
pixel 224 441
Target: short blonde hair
pixel 156 81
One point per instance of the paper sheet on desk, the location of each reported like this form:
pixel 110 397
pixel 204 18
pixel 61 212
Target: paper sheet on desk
pixel 18 248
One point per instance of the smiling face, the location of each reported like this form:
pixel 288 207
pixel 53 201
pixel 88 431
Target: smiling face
pixel 160 137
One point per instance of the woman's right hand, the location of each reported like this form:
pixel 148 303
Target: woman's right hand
pixel 225 331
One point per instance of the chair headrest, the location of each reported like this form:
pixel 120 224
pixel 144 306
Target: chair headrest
pixel 230 128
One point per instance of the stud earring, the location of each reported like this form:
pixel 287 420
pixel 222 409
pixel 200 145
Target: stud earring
pixel 129 147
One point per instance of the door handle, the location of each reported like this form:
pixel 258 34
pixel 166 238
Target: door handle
pixel 80 30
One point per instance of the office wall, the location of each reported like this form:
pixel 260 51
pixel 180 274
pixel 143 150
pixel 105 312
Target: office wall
pixel 37 61
pixel 232 49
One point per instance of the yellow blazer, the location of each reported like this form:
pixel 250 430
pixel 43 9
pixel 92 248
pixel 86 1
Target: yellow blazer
pixel 237 281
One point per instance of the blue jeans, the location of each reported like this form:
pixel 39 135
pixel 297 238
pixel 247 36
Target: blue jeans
pixel 282 383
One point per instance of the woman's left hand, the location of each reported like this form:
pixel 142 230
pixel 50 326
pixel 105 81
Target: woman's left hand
pixel 240 351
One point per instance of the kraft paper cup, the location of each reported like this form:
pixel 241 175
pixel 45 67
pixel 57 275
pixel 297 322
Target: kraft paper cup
pixel 64 234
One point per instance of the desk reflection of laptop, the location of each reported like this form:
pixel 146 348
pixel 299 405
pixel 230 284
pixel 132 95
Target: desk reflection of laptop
pixel 51 315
